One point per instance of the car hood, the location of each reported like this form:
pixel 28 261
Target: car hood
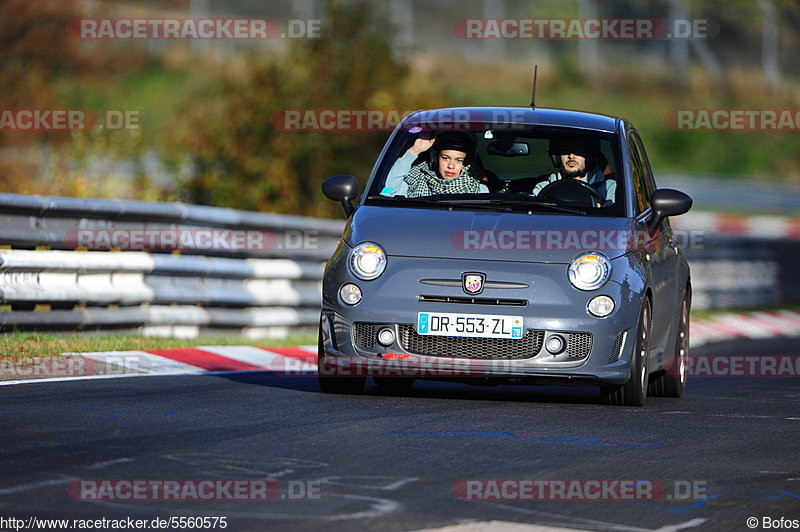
pixel 485 235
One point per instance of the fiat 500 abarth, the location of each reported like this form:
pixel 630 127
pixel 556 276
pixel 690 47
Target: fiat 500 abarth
pixel 508 245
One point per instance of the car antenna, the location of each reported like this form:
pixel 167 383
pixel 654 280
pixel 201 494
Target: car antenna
pixel 533 94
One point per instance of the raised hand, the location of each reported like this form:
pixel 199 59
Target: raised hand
pixel 421 145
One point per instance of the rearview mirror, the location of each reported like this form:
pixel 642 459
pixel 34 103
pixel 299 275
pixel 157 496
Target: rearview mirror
pixel 508 149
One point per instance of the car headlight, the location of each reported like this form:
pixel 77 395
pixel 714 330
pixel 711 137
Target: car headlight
pixel 367 261
pixel 589 271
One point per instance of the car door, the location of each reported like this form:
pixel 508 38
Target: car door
pixel 657 249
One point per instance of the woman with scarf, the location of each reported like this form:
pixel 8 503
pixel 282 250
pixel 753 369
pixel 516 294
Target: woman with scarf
pixel 447 170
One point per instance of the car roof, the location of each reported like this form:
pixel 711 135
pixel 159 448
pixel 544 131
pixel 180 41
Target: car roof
pixel 513 115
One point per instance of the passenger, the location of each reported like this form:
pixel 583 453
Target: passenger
pixel 578 158
pixel 446 170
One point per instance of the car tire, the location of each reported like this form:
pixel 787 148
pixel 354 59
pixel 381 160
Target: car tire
pixel 333 383
pixel 394 382
pixel 672 381
pixel 634 392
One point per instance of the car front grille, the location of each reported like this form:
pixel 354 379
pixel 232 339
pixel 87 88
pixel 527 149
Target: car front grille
pixel 579 345
pixel 474 300
pixel 364 334
pixel 465 347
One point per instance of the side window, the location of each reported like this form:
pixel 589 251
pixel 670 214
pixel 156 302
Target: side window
pixel 649 180
pixel 640 180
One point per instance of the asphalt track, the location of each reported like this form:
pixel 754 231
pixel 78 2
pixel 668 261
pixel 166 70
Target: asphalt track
pixel 390 460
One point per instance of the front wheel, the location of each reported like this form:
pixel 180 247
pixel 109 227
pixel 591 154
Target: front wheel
pixel 634 392
pixel 672 382
pixel 329 382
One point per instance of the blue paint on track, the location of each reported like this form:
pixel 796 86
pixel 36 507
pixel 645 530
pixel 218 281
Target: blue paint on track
pixel 683 509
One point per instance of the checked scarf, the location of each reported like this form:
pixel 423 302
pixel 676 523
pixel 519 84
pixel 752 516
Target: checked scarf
pixel 422 181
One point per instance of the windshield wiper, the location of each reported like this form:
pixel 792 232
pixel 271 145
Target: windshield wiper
pixel 445 202
pixel 552 206
pixel 403 199
pixel 515 203
pixel 487 203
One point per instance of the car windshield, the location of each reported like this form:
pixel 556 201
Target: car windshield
pixel 517 168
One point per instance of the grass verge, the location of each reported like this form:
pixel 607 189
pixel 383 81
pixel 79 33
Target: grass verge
pixel 29 344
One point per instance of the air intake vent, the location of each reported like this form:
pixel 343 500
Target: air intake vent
pixel 617 349
pixel 364 334
pixel 579 345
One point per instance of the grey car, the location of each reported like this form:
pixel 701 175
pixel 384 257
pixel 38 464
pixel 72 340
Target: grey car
pixel 549 259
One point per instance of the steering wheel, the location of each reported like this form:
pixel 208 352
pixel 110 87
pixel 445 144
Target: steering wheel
pixel 569 190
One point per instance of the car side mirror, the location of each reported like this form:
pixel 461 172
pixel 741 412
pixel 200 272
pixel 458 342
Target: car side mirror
pixel 342 188
pixel 668 202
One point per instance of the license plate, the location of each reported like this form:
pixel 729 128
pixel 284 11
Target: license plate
pixel 473 325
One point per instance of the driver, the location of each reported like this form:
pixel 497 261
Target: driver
pixel 577 157
pixel 446 170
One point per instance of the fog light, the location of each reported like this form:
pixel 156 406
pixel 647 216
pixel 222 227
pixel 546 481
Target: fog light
pixel 386 337
pixel 601 306
pixel 350 294
pixel 555 344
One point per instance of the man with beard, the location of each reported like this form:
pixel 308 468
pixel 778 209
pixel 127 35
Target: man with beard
pixel 577 158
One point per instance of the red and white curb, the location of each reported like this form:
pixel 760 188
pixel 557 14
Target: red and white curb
pixel 182 361
pixel 740 325
pixel 302 360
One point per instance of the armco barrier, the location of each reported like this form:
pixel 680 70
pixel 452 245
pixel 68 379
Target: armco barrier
pixel 270 288
pixel 49 282
pixel 741 261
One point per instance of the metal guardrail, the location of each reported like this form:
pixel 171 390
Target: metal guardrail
pixel 47 282
pixel 31 221
pixel 738 273
pixel 741 261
